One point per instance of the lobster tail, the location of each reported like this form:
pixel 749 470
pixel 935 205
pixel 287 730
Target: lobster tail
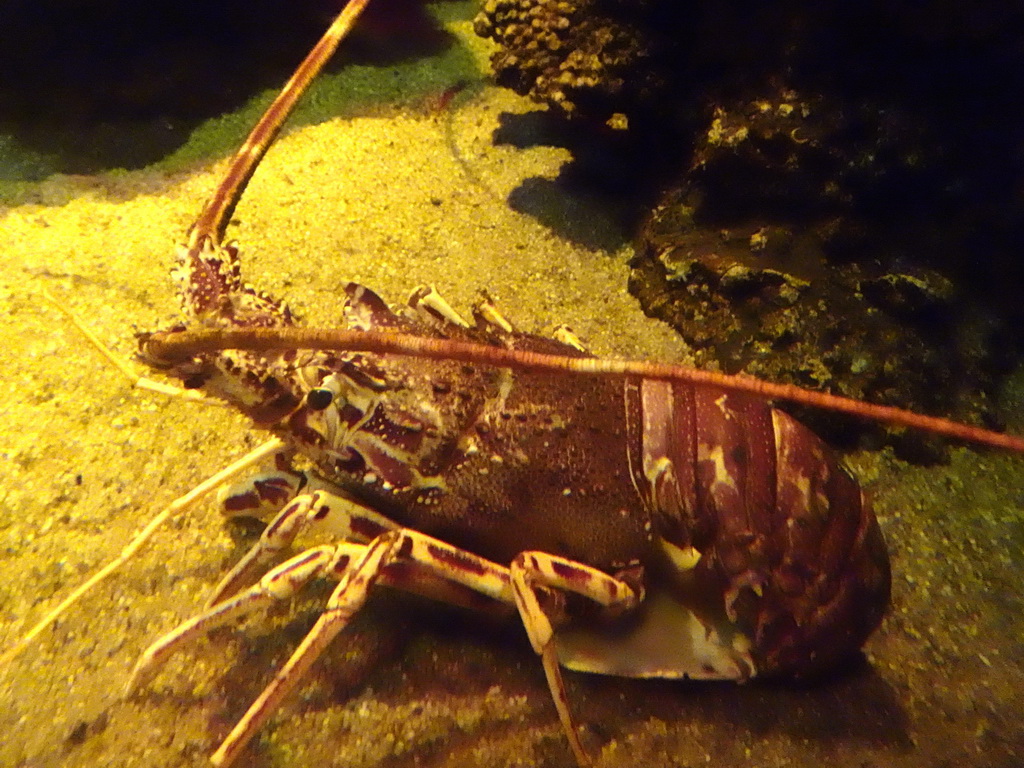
pixel 829 589
pixel 787 551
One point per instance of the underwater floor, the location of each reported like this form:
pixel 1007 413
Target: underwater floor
pixel 392 197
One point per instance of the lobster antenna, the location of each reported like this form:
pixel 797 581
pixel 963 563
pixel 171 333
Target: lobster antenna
pixel 190 499
pixel 134 378
pixel 213 221
pixel 174 346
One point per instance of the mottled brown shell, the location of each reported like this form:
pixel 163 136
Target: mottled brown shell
pixel 830 588
pixel 791 541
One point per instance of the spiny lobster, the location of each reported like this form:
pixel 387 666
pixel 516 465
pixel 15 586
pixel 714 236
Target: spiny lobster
pixel 643 519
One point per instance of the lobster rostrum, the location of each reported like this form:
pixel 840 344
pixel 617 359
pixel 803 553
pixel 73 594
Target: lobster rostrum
pixel 642 520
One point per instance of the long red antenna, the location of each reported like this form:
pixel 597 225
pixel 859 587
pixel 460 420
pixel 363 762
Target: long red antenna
pixel 179 345
pixel 215 216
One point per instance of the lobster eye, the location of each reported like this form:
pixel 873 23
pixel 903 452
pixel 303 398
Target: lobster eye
pixel 319 398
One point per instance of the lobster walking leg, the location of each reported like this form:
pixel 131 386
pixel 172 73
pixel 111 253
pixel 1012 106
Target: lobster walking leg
pixel 341 516
pixel 281 583
pixel 347 599
pixel 284 581
pixel 534 583
pixel 391 548
pixel 531 571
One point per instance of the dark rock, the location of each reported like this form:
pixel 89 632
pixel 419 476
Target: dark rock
pixel 843 201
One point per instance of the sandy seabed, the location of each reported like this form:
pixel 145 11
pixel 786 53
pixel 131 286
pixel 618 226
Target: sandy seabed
pixel 393 199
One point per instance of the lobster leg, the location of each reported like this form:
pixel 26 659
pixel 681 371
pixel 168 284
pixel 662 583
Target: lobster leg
pixel 532 572
pixel 285 580
pixel 400 558
pixel 281 583
pixel 262 495
pixel 343 517
pixel 392 548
